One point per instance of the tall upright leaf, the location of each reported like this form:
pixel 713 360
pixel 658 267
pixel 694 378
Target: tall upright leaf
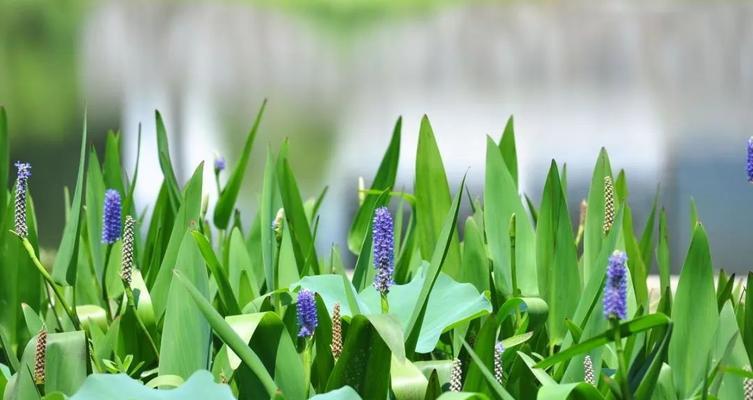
pixel 66 261
pixel 594 229
pixel 501 201
pixel 384 180
pixel 111 167
pixel 270 202
pixel 433 199
pixel 165 163
pixel 507 147
pixel 694 311
pixel 556 257
pixel 225 204
pixel 4 162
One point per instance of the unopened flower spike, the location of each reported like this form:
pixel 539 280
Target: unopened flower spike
pixel 608 204
pixel 750 159
pixel 277 224
pixel 127 253
pixel 337 335
pixel 306 308
pixel 456 376
pixel 382 230
pixel 499 348
pixel 588 370
pixel 40 354
pixel 22 186
pixel 111 222
pixel 615 290
pixel 219 163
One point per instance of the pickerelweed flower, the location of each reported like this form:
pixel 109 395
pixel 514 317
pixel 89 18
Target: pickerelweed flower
pixel 40 354
pixel 499 348
pixel 588 370
pixel 306 308
pixel 127 252
pixel 337 333
pixel 608 204
pixel 111 223
pixel 383 250
pixel 219 163
pixel 456 376
pixel 750 159
pixel 615 290
pixel 22 187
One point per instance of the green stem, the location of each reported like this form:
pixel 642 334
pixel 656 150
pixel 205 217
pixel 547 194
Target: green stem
pixel 622 366
pixel 385 304
pixel 47 277
pixel 307 365
pixel 105 297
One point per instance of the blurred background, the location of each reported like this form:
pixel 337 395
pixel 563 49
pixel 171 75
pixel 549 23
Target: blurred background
pixel 666 86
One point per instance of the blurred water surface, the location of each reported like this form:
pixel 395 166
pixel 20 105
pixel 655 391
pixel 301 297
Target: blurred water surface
pixel 666 86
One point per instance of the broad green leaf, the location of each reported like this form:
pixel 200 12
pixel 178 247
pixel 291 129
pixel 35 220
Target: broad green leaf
pixel 384 180
pixel 226 203
pixel 475 269
pixel 694 310
pixel 199 386
pixel 507 148
pixel 583 391
pixel 64 269
pixel 462 396
pixel 344 393
pixel 186 219
pixel 240 270
pixel 433 200
pixel 267 337
pixel 111 168
pixel 501 202
pixel 594 229
pixel 163 151
pixel 408 383
pixel 185 331
pixel 335 289
pixel 225 332
pixel 556 257
pixel 219 275
pixel 730 386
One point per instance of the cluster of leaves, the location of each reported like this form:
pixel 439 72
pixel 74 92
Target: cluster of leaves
pixel 211 307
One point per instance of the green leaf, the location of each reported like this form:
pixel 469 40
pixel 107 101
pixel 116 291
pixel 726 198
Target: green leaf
pixel 384 180
pixel 186 219
pixel 185 332
pixel 64 269
pixel 433 200
pixel 694 310
pixel 662 252
pixel 647 238
pixel 225 332
pixel 199 386
pixel 226 203
pixel 557 260
pixel 594 229
pixel 270 203
pixel 583 391
pixel 507 148
pixel 113 173
pixel 4 162
pixel 344 393
pixel 224 290
pixel 163 149
pixel 475 268
pixel 408 383
pixel 627 329
pixel 365 361
pixel 501 202
pixel 95 193
pixel 498 389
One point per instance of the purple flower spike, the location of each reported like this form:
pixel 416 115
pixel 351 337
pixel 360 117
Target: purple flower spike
pixel 750 159
pixel 306 308
pixel 219 163
pixel 112 220
pixel 615 291
pixel 22 186
pixel 383 250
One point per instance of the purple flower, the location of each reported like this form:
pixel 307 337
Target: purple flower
pixel 306 308
pixel 22 186
pixel 750 159
pixel 615 291
pixel 111 222
pixel 219 163
pixel 383 250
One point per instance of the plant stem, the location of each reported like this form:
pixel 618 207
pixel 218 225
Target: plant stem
pixel 622 367
pixel 307 365
pixel 46 275
pixel 105 297
pixel 385 304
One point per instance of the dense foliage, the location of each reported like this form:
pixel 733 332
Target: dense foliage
pixel 522 304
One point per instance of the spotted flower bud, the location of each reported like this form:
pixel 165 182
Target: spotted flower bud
pixel 127 253
pixel 337 335
pixel 750 159
pixel 39 357
pixel 111 223
pixel 383 250
pixel 22 187
pixel 306 309
pixel 498 366
pixel 588 370
pixel 615 290
pixel 277 224
pixel 608 204
pixel 456 376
